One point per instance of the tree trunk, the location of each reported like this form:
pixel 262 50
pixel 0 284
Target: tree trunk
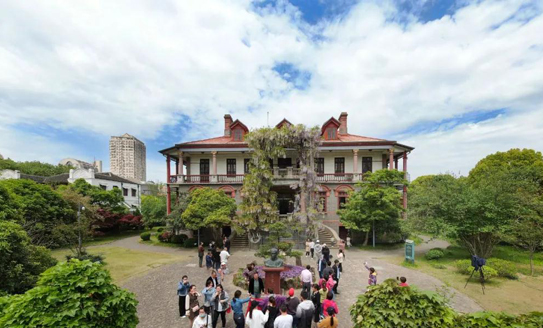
pixel 298 261
pixel 367 238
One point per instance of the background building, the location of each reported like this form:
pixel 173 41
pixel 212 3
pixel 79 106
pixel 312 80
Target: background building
pixel 127 156
pixel 78 164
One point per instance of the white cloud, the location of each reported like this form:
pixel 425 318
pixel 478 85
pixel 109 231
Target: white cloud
pixel 135 66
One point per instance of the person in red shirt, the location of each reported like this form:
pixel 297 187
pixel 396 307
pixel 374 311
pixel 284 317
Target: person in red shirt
pixel 403 282
pixel 329 302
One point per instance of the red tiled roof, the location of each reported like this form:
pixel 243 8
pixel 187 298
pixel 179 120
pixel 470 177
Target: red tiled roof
pixel 353 138
pixel 214 141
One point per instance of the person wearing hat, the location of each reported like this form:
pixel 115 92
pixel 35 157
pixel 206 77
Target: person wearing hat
pixel 318 249
pixel 292 303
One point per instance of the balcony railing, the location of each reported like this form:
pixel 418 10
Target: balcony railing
pixel 279 174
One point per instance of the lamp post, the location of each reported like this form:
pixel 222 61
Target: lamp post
pixel 80 239
pixel 373 234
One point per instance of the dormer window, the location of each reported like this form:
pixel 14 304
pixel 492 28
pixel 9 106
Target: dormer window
pixel 331 133
pixel 238 135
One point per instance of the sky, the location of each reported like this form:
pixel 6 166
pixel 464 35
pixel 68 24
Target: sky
pixel 456 79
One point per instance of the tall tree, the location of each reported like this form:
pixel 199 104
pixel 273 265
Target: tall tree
pixel 209 208
pixel 109 200
pixel 376 201
pixel 41 210
pixel 153 209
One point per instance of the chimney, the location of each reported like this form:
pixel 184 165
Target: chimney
pixel 343 123
pixel 227 122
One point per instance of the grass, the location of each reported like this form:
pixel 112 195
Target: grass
pixel 513 296
pixel 124 263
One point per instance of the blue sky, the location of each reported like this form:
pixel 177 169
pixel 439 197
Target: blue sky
pixel 459 76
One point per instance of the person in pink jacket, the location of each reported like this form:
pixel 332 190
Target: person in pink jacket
pixel 329 302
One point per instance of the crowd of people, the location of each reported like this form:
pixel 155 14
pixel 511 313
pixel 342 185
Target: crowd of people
pixel 314 306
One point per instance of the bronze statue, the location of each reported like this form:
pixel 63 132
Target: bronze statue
pixel 274 261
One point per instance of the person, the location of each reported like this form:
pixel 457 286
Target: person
pixel 220 275
pixel 292 303
pixel 336 275
pixel 318 249
pixel 340 258
pixel 341 245
pixel 237 308
pixel 182 291
pixel 329 302
pixel 285 320
pixel 372 280
pixel 219 304
pixel 216 258
pixel 328 271
pixel 226 242
pixel 330 283
pixel 325 252
pixel 201 251
pixel 307 278
pixel 211 246
pixel 273 312
pixel 208 292
pixel 251 268
pixel 312 247
pixel 194 305
pixel 316 299
pixel 224 255
pixel 256 318
pixel 349 242
pixel 403 282
pixel 305 311
pixel 203 320
pixel 256 286
pixel 209 260
pixel 224 270
pixel 307 248
pixel 330 321
pixel 214 279
pixel 321 265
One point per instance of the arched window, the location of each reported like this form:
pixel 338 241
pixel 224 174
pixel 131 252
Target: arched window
pixel 229 191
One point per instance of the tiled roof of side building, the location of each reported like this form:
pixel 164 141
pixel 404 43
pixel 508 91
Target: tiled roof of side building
pixel 112 177
pixel 35 178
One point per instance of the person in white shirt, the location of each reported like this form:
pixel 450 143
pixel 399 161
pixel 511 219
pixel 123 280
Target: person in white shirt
pixel 203 320
pixel 256 318
pixel 312 247
pixel 284 320
pixel 307 279
pixel 224 255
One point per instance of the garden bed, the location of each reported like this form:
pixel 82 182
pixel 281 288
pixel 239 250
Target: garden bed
pixel 290 278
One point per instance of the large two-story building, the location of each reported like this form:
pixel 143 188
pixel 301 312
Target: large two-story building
pixel 222 163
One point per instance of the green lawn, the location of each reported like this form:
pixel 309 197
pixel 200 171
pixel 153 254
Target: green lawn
pixel 513 296
pixel 125 263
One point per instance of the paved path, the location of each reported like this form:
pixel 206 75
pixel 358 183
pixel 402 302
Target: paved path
pixel 156 291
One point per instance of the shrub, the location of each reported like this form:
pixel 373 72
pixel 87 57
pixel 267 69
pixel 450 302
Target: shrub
pixel 179 239
pixel 72 294
pixel 165 237
pixel 145 236
pixel 464 267
pixel 86 256
pixel 500 320
pixel 160 229
pixel 385 305
pixel 434 254
pixel 506 269
pixel 189 243
pixel 20 261
pixel 97 233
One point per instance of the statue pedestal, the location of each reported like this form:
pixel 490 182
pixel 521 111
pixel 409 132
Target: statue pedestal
pixel 273 279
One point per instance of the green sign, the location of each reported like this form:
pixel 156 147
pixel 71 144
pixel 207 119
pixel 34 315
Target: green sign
pixel 410 251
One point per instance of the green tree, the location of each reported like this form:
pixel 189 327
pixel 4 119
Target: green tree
pixel 20 261
pixel 41 210
pixel 34 167
pixel 153 210
pixel 174 221
pixel 110 200
pixel 209 208
pixel 72 294
pixel 376 201
pixel 9 209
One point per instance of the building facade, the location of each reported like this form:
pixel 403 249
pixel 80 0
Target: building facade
pixel 79 164
pixel 127 156
pixel 222 163
pixel 131 191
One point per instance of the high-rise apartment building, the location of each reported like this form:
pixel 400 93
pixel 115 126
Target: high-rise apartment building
pixel 127 156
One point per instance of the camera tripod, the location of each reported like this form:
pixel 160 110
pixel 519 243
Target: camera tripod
pixel 481 278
